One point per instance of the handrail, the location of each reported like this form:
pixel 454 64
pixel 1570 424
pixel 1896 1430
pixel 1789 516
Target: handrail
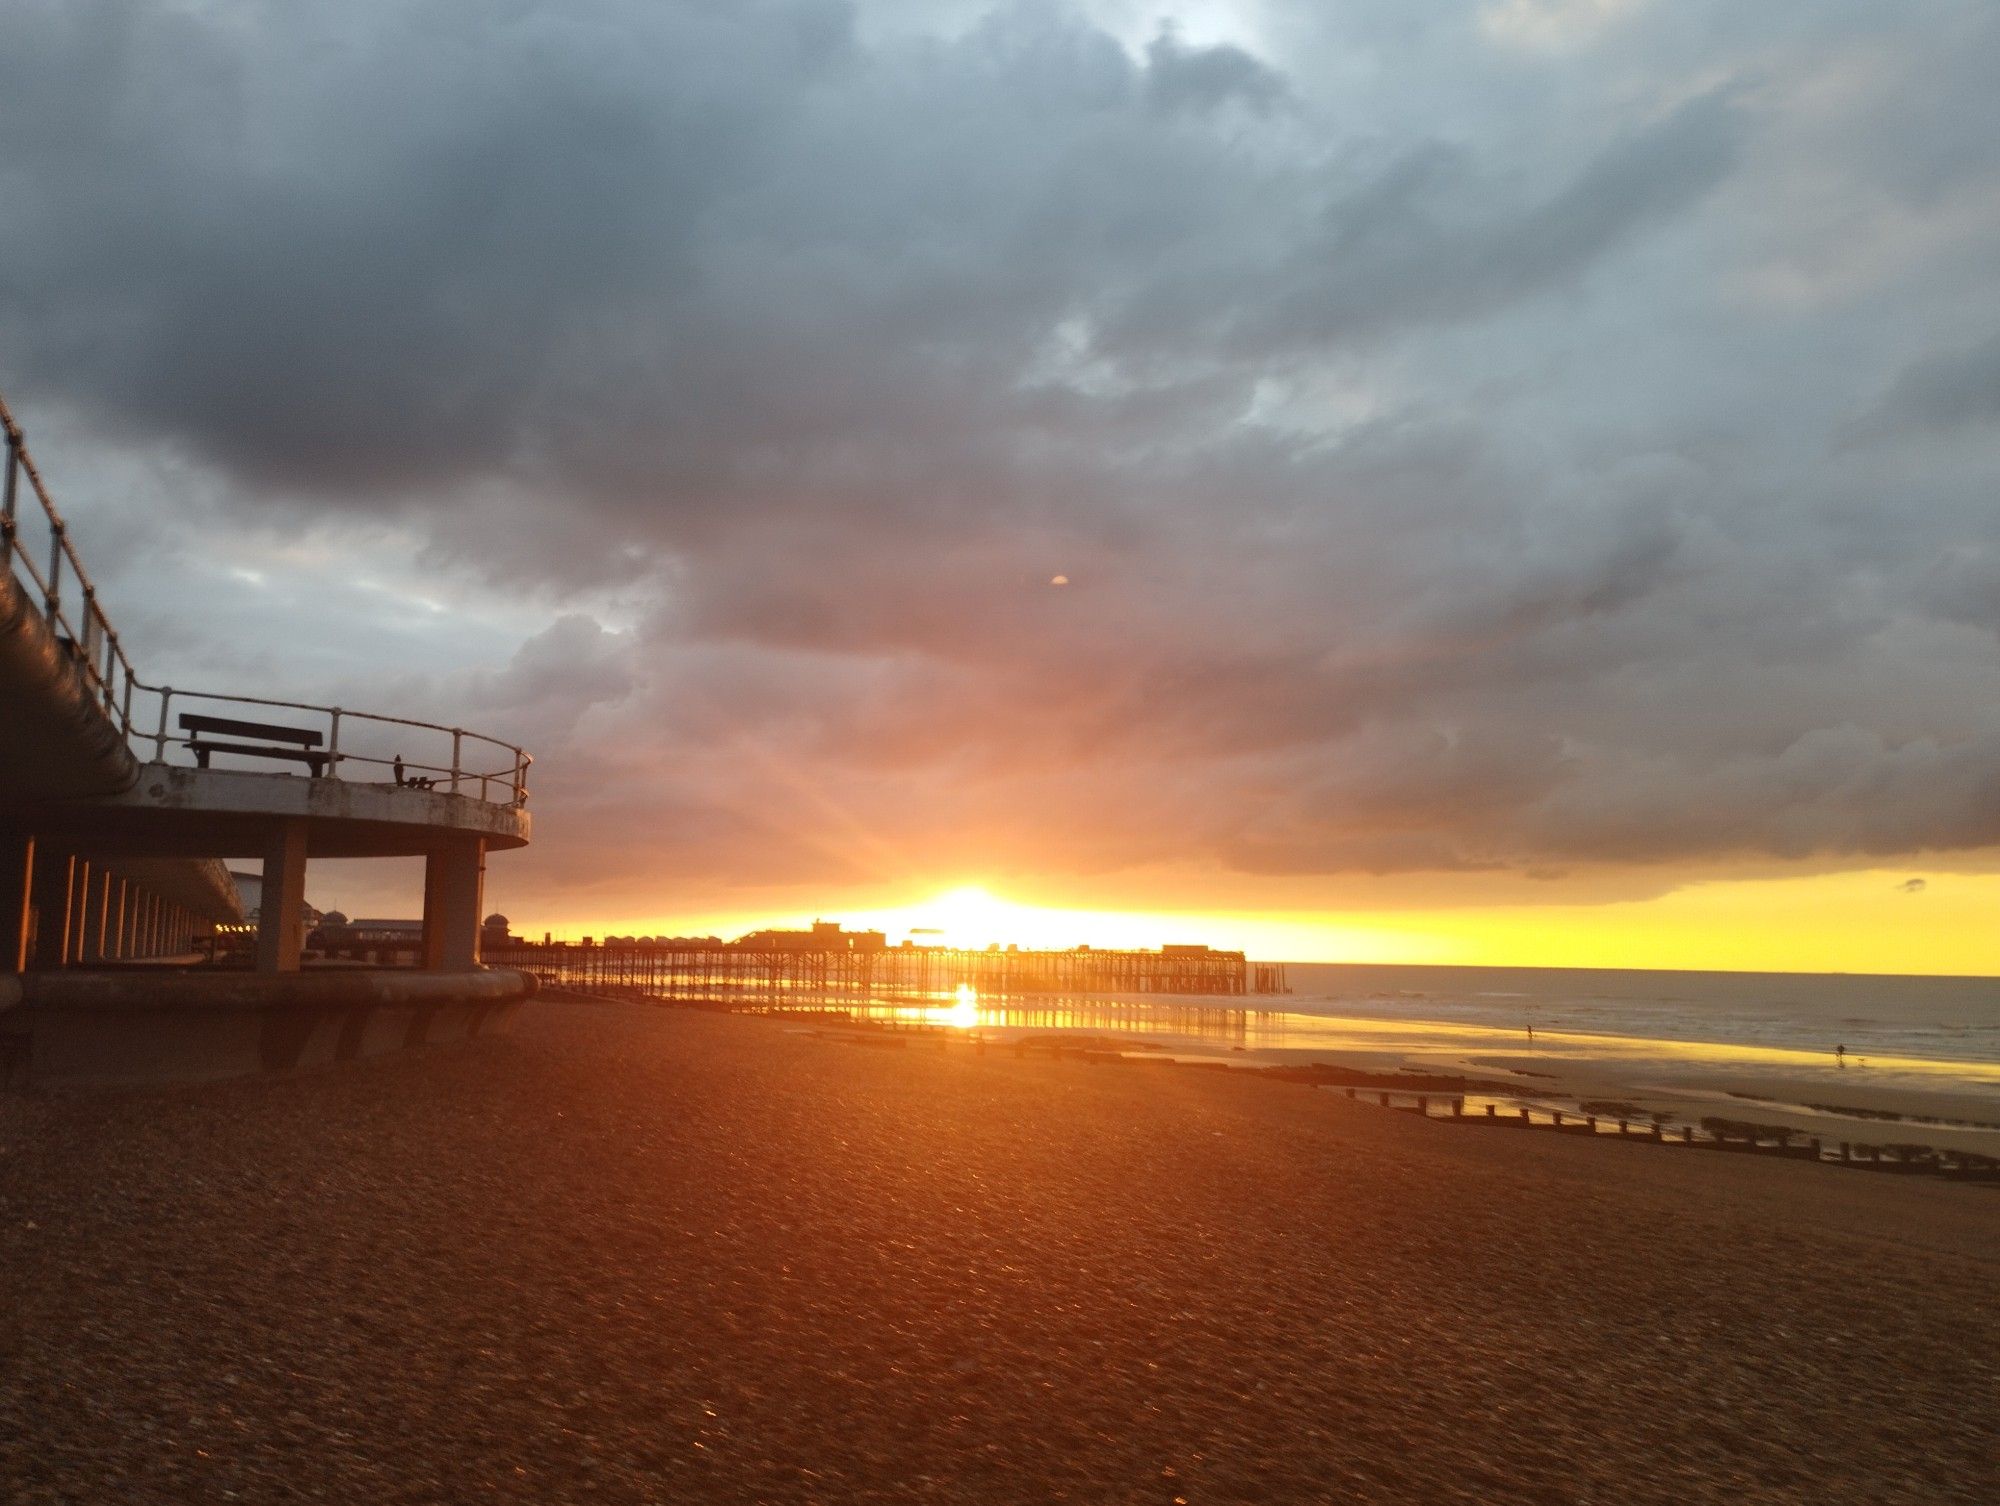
pixel 101 673
pixel 99 656
pixel 512 775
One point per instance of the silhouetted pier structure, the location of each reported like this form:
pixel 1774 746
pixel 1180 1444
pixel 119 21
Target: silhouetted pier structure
pixel 754 977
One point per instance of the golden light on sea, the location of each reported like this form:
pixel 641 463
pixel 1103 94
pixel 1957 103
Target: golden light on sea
pixel 965 1013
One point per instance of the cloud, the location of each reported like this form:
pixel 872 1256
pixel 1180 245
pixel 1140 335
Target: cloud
pixel 1912 886
pixel 710 396
pixel 1940 394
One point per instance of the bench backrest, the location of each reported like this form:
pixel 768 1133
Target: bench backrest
pixel 304 737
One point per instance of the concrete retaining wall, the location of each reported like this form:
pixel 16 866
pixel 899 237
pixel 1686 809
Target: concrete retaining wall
pixel 79 1028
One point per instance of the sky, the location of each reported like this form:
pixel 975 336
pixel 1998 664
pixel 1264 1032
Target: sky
pixel 1509 480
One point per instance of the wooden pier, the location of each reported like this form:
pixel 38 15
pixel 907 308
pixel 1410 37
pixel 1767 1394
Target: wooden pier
pixel 752 977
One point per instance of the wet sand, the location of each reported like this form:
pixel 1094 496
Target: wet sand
pixel 633 1254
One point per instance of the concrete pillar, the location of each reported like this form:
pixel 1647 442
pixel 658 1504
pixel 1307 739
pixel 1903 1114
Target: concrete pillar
pixel 454 893
pixel 107 915
pixel 281 906
pixel 17 899
pixel 96 900
pixel 55 899
pixel 79 902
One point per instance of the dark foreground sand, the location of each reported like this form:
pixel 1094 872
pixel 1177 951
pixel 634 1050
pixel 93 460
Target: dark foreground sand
pixel 642 1255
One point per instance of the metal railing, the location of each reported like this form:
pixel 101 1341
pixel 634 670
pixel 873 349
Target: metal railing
pixel 500 773
pixel 96 651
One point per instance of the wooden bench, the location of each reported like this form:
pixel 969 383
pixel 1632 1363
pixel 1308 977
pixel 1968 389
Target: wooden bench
pixel 202 746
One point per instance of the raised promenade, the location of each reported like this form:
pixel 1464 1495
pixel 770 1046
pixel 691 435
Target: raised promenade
pixel 122 801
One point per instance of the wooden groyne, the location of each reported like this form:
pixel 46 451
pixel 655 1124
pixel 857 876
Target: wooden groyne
pixel 1741 1139
pixel 731 974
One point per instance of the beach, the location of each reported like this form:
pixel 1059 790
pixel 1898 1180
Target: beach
pixel 634 1254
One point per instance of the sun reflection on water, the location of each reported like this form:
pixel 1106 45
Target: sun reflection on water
pixel 965 1013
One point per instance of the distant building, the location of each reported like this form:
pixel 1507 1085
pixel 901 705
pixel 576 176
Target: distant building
pixel 825 936
pixel 239 940
pixel 497 933
pixel 370 932
pixel 250 889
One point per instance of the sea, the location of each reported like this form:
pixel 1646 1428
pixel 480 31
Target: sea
pixel 1944 1019
pixel 1816 1051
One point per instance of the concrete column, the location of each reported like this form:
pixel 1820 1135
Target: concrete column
pixel 281 909
pixel 106 915
pixel 96 900
pixel 17 899
pixel 79 904
pixel 454 892
pixel 55 900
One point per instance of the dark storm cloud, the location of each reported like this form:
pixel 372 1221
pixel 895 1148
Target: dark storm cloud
pixel 1467 444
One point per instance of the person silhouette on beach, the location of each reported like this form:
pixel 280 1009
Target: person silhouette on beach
pixel 1840 1055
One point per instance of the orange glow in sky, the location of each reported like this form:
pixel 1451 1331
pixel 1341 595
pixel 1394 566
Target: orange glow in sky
pixel 1867 921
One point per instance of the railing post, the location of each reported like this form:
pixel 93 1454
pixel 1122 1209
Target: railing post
pixel 107 674
pixel 13 480
pixel 457 740
pixel 55 568
pixel 333 746
pixel 125 712
pixel 160 737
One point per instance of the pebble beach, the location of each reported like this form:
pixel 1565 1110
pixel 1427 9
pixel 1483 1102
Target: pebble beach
pixel 636 1254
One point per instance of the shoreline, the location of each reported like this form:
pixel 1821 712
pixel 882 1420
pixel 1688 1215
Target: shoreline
pixel 1950 1104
